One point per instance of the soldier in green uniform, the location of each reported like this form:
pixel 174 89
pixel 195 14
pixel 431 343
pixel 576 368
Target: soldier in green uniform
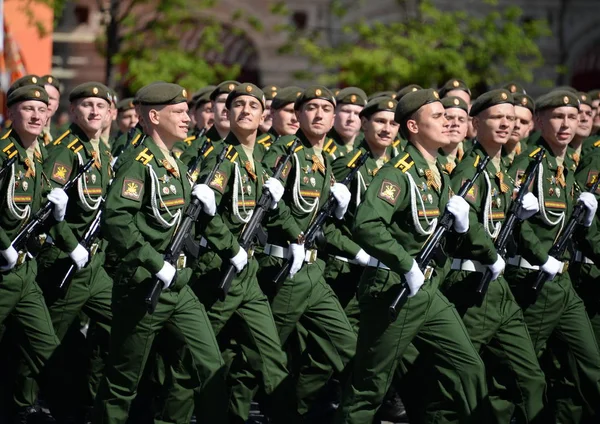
pixel 456 87
pixel 127 117
pixel 285 121
pixel 105 136
pixel 524 107
pixel 345 134
pixel 397 215
pixel 30 79
pixel 495 324
pixel 143 209
pixel 271 92
pixel 557 310
pixel 90 289
pixel 584 128
pixel 52 87
pixel 458 118
pixel 595 96
pixel 24 189
pixel 304 298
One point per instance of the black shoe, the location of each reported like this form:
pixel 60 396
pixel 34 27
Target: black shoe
pixel 393 410
pixel 33 415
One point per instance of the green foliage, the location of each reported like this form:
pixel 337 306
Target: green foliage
pixel 28 7
pixel 427 49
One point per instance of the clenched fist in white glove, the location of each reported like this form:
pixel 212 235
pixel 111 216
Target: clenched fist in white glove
pixel 80 256
pixel 591 205
pixel 497 267
pixel 166 274
pixel 276 189
pixel 529 207
pixel 342 197
pixel 240 260
pixel 414 278
pixel 551 267
pixel 60 199
pixel 459 207
pixel 206 196
pixel 362 258
pixel 298 255
pixel 11 256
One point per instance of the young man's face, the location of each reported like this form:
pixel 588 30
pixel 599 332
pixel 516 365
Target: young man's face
pixel 523 124
pixel 458 121
pixel 495 124
pixel 316 117
pixel 28 117
pixel 558 125
pixel 221 116
pixel 586 118
pixel 90 113
pixel 127 120
pixel 347 120
pixel 205 116
pixel 245 114
pixel 380 129
pixel 285 121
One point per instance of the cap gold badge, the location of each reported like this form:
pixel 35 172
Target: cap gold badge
pixel 249 88
pixel 33 80
pixel 298 93
pixel 414 89
pixel 456 102
pixel 230 87
pixel 130 104
pixel 524 101
pixel 184 93
pixel 273 88
pixel 566 100
pixel 37 93
pixel 390 105
pixel 50 80
pixel 353 98
pixel 455 83
pixel 274 94
pixel 317 92
pixel 95 90
pixel 583 97
pixel 436 95
pixel 504 96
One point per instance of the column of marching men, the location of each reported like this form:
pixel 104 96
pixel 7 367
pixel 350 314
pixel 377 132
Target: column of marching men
pixel 327 255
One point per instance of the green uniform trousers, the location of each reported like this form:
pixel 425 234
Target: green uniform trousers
pixel 558 315
pixel 132 340
pixel 433 325
pixel 498 331
pixel 343 277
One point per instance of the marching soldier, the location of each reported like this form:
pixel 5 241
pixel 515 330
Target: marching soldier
pixel 524 107
pixel 557 309
pixel 127 117
pixel 143 209
pixel 285 122
pixel 345 134
pixel 21 82
pixel 458 118
pixel 202 109
pixel 584 128
pixel 271 92
pixel 395 218
pixel 52 87
pixel 495 324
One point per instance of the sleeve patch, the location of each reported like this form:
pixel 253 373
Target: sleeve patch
pixel 389 192
pixel 61 173
pixel 286 168
pixel 219 181
pixel 591 180
pixel 472 193
pixel 132 189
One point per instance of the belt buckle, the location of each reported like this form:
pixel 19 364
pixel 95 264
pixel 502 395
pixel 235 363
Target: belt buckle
pixel 428 272
pixel 21 258
pixel 93 249
pixel 181 262
pixel 311 256
pixel 250 253
pixel 565 267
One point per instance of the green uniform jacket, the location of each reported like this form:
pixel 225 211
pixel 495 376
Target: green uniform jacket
pixel 142 207
pixel 387 220
pixel 120 145
pixel 586 176
pixel 68 153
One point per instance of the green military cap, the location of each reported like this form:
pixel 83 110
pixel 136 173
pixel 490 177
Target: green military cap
pixel 225 87
pixel 203 95
pixel 51 80
pixel 408 89
pixel 391 94
pixel 270 91
pixel 491 98
pixel 413 101
pixel 565 88
pixel 285 96
pixel 454 84
pixel 351 96
pixel 27 92
pixel 125 104
pixel 594 95
pixel 26 80
pixel 557 98
pixel 379 104
pixel 584 98
pixel 335 91
pixel 524 100
pixel 162 93
pixel 91 89
pixel 314 92
pixel 514 87
pixel 455 102
pixel 246 89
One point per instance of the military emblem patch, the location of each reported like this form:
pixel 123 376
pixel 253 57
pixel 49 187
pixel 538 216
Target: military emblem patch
pixel 389 192
pixel 591 179
pixel 61 173
pixel 472 193
pixel 219 181
pixel 132 189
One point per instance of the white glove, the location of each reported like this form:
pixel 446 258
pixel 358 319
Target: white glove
pixel 166 274
pixel 414 278
pixel 60 200
pixel 80 256
pixel 459 207
pixel 276 189
pixel 11 256
pixel 529 207
pixel 551 267
pixel 497 267
pixel 342 196
pixel 362 258
pixel 591 205
pixel 206 196
pixel 240 260
pixel 298 255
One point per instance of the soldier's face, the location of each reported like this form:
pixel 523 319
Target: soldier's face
pixel 221 117
pixel 316 117
pixel 285 120
pixel 245 115
pixel 28 117
pixel 205 116
pixel 495 124
pixel 558 125
pixel 430 126
pixel 127 120
pixel 53 99
pixel 461 94
pixel 596 106
pixel 586 117
pixel 267 117
pixel 90 114
pixel 380 130
pixel 458 121
pixel 171 122
pixel 347 120
pixel 523 124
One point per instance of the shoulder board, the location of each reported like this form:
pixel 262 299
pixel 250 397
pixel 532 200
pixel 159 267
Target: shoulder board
pixel 330 146
pixel 396 143
pixel 210 149
pixel 59 139
pixel 5 136
pixel 262 139
pixel 189 140
pixel 404 163
pixel 300 147
pixel 597 143
pixel 267 145
pixel 355 158
pixel 136 140
pixel 145 156
pixel 76 145
pixel 535 152
pixel 10 150
pixel 232 154
pixel 476 162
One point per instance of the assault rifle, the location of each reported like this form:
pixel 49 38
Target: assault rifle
pixel 7 164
